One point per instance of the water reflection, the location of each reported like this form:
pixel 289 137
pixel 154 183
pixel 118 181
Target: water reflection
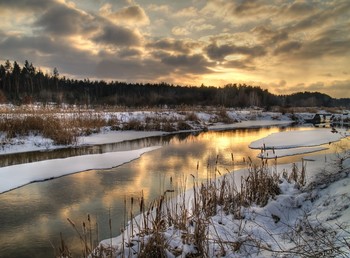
pixel 34 156
pixel 33 216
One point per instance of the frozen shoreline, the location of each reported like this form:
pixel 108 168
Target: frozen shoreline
pixel 19 175
pixel 13 176
pixel 289 206
pixel 323 204
pixel 39 143
pixel 196 120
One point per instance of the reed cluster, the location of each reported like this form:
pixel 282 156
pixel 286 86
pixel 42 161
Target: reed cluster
pixel 60 131
pixel 64 126
pixel 180 221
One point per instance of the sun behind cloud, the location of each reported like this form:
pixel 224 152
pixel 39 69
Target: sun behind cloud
pixel 216 42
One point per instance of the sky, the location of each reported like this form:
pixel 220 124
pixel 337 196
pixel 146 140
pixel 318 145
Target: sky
pixel 284 46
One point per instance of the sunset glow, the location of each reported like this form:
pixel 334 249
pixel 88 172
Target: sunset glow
pixel 282 46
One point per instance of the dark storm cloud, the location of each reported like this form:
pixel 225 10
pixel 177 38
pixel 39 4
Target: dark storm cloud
pixel 171 45
pixel 333 42
pixel 240 64
pixel 129 52
pixel 271 36
pixel 216 52
pixel 288 47
pixel 50 53
pixel 109 39
pixel 62 20
pixel 244 6
pixel 219 53
pixel 25 4
pixel 19 45
pixel 279 36
pixel 189 63
pixel 117 35
pixel 321 16
pixel 299 8
pixel 130 70
pixel 326 47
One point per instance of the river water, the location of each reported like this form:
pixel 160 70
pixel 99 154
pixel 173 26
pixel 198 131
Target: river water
pixel 32 217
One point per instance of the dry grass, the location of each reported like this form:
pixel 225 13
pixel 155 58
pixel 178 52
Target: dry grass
pixel 59 131
pixel 63 125
pixel 147 237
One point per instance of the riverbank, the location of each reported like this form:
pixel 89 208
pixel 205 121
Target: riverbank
pixel 295 210
pixel 110 129
pixel 44 128
pixel 38 129
pixel 226 144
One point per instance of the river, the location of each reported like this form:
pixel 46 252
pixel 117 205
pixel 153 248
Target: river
pixel 32 217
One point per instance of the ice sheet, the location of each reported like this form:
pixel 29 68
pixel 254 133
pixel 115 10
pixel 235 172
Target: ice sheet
pixel 19 175
pixel 295 139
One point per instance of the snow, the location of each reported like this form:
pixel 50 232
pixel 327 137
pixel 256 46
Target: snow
pixel 25 144
pixel 303 219
pixel 300 220
pixel 291 217
pixel 292 143
pixel 19 175
pixel 39 143
pixel 295 139
pixel 116 136
pixel 279 153
pixel 206 120
pixel 250 124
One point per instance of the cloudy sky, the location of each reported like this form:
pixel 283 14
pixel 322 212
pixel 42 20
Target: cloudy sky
pixel 281 45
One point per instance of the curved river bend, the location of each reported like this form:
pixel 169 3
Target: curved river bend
pixel 32 217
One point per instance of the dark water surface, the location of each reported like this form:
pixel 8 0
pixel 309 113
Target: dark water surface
pixel 32 217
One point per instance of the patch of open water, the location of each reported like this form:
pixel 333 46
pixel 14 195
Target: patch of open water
pixel 32 217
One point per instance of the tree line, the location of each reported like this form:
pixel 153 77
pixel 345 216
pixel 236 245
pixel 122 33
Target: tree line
pixel 28 84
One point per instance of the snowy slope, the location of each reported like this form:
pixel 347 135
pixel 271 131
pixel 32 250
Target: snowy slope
pixel 302 220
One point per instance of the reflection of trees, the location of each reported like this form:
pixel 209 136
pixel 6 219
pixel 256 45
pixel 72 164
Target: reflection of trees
pixel 183 136
pixel 95 192
pixel 34 156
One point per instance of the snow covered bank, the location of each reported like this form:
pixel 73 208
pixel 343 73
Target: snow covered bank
pixel 310 220
pixel 308 216
pixel 19 175
pixel 291 143
pixel 39 143
pixel 279 153
pixel 250 124
pixel 149 123
pixel 295 139
pixel 116 136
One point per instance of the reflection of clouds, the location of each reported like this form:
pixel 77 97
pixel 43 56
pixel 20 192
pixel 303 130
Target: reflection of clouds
pixel 40 210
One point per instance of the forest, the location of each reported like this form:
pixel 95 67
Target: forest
pixel 28 84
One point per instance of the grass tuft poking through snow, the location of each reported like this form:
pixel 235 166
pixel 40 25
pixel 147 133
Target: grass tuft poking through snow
pixel 262 214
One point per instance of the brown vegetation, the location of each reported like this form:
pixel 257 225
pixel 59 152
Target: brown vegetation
pixel 146 236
